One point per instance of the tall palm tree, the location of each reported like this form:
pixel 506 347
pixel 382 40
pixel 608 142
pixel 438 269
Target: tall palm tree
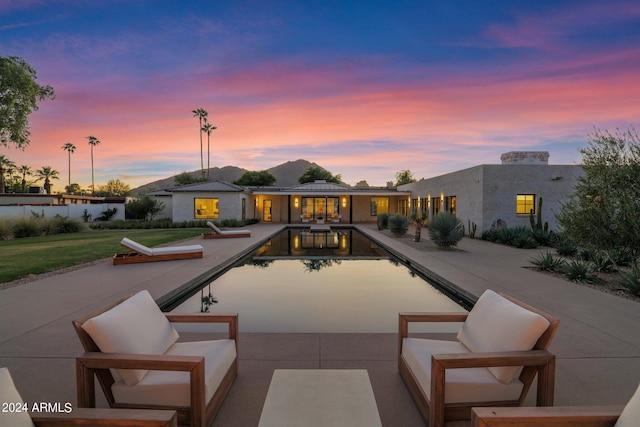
pixel 201 114
pixel 47 173
pixel 24 170
pixel 208 128
pixel 93 141
pixel 70 148
pixel 5 165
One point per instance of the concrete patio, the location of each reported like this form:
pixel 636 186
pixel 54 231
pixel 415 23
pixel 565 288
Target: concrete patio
pixel 598 345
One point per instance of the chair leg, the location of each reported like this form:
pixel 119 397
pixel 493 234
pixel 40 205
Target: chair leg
pixel 436 407
pixel 546 381
pixel 85 385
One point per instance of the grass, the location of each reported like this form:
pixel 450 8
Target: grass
pixel 36 255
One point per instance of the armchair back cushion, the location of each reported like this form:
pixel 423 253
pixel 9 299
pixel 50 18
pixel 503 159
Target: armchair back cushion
pixel 497 324
pixel 14 416
pixel 136 326
pixel 631 412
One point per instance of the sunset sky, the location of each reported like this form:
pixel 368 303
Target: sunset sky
pixel 363 88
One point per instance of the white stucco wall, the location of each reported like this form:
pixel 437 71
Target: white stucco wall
pixel 71 211
pixel 230 205
pixel 487 193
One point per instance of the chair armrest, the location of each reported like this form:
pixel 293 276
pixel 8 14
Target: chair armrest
pixel 406 318
pixel 107 418
pixel 231 319
pixel 88 363
pixel 569 416
pixel 542 360
pixel 495 359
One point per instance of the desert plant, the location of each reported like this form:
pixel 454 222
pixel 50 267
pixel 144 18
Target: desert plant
pixel 489 235
pixel 383 221
pixel 525 242
pixel 621 257
pixel 602 262
pixel 6 233
pixel 473 227
pixel 63 224
pixel 547 262
pixel 542 237
pixel 86 216
pixel 580 271
pixel 27 227
pixel 398 224
pixel 566 248
pixel 107 214
pixel 445 230
pixel 418 218
pixel 631 280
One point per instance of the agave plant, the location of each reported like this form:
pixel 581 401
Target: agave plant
pixel 547 262
pixel 580 271
pixel 445 230
pixel 631 280
pixel 398 224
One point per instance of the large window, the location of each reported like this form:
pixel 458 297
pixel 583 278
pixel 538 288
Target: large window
pixel 450 203
pixel 206 208
pixel 379 205
pixel 314 208
pixel 525 204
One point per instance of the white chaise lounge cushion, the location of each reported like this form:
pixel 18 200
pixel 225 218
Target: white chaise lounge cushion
pixel 497 324
pixel 136 326
pixel 172 388
pixel 631 412
pixel 142 249
pixel 226 232
pixel 462 385
pixel 15 415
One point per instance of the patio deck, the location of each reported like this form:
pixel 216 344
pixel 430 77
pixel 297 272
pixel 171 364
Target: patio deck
pixel 597 345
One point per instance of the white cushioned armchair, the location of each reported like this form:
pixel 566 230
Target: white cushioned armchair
pixel 132 348
pixel 500 348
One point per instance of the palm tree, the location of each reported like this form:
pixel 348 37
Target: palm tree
pixel 201 114
pixel 47 173
pixel 5 165
pixel 70 148
pixel 208 128
pixel 24 170
pixel 93 141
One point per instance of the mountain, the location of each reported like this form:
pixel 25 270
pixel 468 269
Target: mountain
pixel 286 174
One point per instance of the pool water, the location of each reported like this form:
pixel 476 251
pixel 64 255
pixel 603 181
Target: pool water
pixel 353 286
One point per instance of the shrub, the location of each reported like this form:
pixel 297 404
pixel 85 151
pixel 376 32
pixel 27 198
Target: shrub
pixel 548 262
pixel 383 221
pixel 622 256
pixel 631 280
pixel 525 242
pixel 27 227
pixel 602 262
pixel 580 271
pixel 445 230
pixel 6 232
pixel 489 235
pixel 63 224
pixel 398 224
pixel 566 248
pixel 107 214
pixel 542 237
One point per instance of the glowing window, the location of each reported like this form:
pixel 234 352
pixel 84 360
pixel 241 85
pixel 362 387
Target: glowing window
pixel 525 203
pixel 206 208
pixel 379 205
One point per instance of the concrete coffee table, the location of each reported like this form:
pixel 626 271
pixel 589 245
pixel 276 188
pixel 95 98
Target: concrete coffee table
pixel 320 397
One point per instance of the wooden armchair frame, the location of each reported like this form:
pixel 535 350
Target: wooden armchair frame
pixel 435 411
pixel 94 362
pixel 569 416
pixel 107 418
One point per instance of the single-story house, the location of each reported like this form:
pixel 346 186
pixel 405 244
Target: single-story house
pixel 314 202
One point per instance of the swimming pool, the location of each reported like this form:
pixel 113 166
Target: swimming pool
pixel 338 281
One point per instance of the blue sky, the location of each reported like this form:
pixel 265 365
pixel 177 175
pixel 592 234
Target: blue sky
pixel 363 88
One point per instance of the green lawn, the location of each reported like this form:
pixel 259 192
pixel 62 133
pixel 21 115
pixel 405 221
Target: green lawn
pixel 34 255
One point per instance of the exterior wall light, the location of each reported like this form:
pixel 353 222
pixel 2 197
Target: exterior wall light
pixel 344 202
pixel 296 202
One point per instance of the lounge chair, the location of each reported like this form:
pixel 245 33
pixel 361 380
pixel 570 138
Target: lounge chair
pixel 131 347
pixel 141 253
pixel 502 345
pixel 18 413
pixel 569 416
pixel 216 233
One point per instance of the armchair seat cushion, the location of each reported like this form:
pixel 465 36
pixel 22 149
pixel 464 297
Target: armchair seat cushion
pixel 13 416
pixel 462 385
pixel 171 387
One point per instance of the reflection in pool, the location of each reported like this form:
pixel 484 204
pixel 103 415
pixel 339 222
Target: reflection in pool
pixel 320 282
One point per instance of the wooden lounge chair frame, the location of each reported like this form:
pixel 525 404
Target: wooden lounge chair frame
pixel 98 417
pixel 568 416
pixel 98 364
pixel 435 411
pixel 137 253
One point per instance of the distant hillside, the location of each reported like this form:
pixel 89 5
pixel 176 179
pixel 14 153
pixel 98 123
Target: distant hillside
pixel 286 174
